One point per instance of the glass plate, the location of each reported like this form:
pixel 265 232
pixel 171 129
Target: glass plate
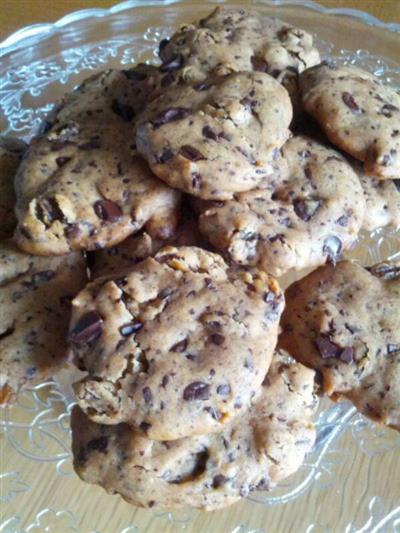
pixel 350 483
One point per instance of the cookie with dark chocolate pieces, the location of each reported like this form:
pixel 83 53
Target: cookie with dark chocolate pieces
pixel 359 114
pixel 82 184
pixel 177 345
pixel 310 210
pixel 218 138
pixel 236 39
pixel 345 322
pixel 254 452
pixel 35 305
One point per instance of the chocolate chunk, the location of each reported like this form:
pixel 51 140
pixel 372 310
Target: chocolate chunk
pixel 329 350
pixel 147 395
pixel 162 45
pixel 92 144
pixel 179 347
pixel 61 161
pixel 100 444
pixel 174 63
pixel 397 184
pixel 217 339
pixel 259 64
pixel 48 211
pixel 219 480
pixel 107 210
pixel 308 172
pixel 387 110
pixel 342 221
pixel 326 348
pixel 305 209
pixel 191 153
pixel 165 381
pixel 166 156
pixel 170 115
pixel 124 111
pixel 209 133
pixel 88 328
pixel 128 329
pixel 196 391
pixel 346 355
pixel 9 331
pixel 332 247
pixel 350 102
pixel 263 484
pixel 385 271
pixel 135 74
pixel 145 426
pixel 224 390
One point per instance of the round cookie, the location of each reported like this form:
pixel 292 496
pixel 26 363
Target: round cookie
pixel 358 113
pixel 177 346
pixel 216 138
pixel 137 247
pixel 345 322
pixel 81 184
pixel 35 296
pixel 266 445
pixel 382 198
pixel 235 39
pixel 310 212
pixel 11 152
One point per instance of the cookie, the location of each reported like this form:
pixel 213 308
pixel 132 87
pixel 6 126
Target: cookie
pixel 216 138
pixel 137 247
pixel 235 39
pixel 358 113
pixel 177 346
pixel 81 184
pixel 382 198
pixel 11 151
pixel 35 303
pixel 263 447
pixel 311 211
pixel 345 323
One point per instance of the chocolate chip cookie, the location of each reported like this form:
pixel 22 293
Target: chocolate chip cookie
pixel 35 296
pixel 177 346
pixel 358 113
pixel 11 152
pixel 137 247
pixel 236 39
pixel 310 211
pixel 216 138
pixel 345 322
pixel 81 184
pixel 265 446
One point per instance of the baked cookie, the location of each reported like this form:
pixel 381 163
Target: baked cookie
pixel 345 322
pixel 382 198
pixel 265 446
pixel 81 184
pixel 236 39
pixel 137 247
pixel 35 296
pixel 11 151
pixel 216 138
pixel 310 212
pixel 177 346
pixel 358 113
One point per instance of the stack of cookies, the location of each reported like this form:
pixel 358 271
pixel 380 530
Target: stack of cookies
pixel 163 202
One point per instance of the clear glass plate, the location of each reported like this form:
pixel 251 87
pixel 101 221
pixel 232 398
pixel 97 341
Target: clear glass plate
pixel 351 481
